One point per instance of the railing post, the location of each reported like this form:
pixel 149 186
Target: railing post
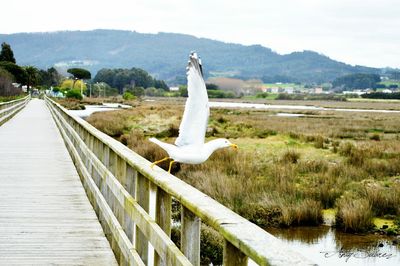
pixel 143 198
pixel 233 256
pixel 130 186
pixel 163 217
pixel 190 236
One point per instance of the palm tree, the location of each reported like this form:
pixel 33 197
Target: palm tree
pixel 32 76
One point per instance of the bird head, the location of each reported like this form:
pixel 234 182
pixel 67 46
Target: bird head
pixel 226 143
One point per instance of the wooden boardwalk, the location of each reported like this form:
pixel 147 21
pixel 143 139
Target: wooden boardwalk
pixel 45 216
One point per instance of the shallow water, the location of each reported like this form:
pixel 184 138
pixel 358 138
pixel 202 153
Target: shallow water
pixel 293 107
pixel 326 246
pixel 90 109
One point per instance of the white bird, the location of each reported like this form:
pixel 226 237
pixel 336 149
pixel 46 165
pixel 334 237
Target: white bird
pixel 189 146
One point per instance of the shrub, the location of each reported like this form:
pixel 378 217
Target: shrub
pixel 375 137
pixel 383 200
pixel 76 94
pixel 354 215
pixel 290 156
pixel 128 96
pixel 305 212
pixel 319 142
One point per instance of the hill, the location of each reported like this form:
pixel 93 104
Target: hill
pixel 164 55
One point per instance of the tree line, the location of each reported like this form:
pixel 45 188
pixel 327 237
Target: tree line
pixel 105 82
pixel 128 79
pixel 356 81
pixel 30 76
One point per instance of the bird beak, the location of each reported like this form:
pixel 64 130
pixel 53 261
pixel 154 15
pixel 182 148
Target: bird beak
pixel 234 146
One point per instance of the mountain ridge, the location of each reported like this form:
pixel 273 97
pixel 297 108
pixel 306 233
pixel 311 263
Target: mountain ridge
pixel 164 55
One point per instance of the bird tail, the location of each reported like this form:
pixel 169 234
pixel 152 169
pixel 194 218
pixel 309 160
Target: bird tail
pixel 165 146
pixel 155 141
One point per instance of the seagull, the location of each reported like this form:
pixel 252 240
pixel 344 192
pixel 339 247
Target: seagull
pixel 190 146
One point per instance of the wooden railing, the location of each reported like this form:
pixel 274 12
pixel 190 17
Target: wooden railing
pixel 9 109
pixel 133 203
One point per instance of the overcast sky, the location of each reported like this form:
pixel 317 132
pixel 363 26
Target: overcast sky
pixel 363 32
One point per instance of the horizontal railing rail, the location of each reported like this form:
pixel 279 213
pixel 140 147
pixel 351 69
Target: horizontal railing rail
pixel 9 109
pixel 133 203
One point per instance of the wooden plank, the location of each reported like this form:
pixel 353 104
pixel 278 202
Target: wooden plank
pixel 163 218
pixel 142 197
pixel 233 256
pixel 190 236
pixel 45 216
pixel 130 186
pixel 9 109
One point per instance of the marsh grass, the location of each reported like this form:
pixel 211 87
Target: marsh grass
pixel 286 170
pixel 354 215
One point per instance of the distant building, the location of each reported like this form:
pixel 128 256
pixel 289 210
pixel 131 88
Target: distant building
pixel 289 90
pixel 173 88
pixel 387 91
pixel 318 90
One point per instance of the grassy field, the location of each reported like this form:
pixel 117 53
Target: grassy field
pixel 387 83
pixel 11 98
pixel 287 170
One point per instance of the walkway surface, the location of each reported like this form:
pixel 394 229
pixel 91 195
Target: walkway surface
pixel 45 216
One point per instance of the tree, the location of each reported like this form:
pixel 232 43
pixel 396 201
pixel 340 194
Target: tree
pixel 128 78
pixel 18 72
pixel 80 73
pixel 356 81
pixel 6 53
pixel 212 86
pixel 49 77
pixel 32 74
pixel 6 87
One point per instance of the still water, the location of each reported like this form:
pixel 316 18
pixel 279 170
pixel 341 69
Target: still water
pixel 326 246
pixel 292 107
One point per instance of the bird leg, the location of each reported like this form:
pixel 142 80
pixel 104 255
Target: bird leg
pixel 159 161
pixel 170 166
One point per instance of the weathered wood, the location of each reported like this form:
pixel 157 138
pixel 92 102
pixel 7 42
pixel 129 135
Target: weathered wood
pixel 190 236
pixel 233 256
pixel 130 186
pixel 163 218
pixel 11 108
pixel 142 197
pixel 45 216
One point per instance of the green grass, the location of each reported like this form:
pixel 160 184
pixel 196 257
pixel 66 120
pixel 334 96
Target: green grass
pixel 269 96
pixel 11 98
pixel 390 82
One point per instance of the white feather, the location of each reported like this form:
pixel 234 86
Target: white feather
pixel 195 117
pixel 189 146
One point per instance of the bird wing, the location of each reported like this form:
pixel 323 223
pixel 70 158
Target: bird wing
pixel 195 117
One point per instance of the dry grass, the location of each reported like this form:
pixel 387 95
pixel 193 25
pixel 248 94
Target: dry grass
pixel 286 169
pixel 354 215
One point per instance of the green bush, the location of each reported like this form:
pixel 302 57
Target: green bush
pixel 128 96
pixel 76 94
